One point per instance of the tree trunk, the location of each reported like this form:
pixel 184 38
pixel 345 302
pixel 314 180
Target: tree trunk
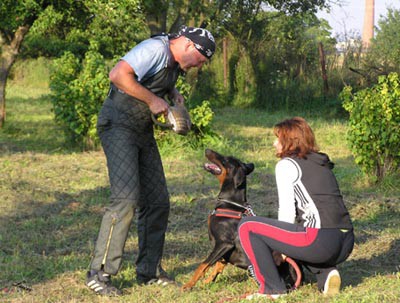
pixel 156 23
pixel 323 69
pixel 8 55
pixel 156 16
pixel 225 57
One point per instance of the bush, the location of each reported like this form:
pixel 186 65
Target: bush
pixel 78 91
pixel 374 134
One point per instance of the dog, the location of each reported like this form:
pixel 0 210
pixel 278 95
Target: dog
pixel 231 206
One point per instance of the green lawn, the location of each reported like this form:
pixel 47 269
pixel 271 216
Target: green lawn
pixel 52 197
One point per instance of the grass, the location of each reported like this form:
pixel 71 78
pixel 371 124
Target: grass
pixel 52 196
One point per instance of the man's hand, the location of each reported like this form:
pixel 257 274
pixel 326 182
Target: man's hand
pixel 176 97
pixel 158 106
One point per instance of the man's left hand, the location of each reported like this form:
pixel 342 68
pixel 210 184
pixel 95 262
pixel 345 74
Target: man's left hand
pixel 177 97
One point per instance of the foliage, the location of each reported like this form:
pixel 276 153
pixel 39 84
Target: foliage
pixel 277 68
pixel 291 70
pixel 14 14
pixel 201 135
pixel 383 56
pixel 78 89
pixel 201 117
pixel 183 87
pixel 116 26
pixel 374 134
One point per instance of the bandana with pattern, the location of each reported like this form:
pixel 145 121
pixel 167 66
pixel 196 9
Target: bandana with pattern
pixel 202 39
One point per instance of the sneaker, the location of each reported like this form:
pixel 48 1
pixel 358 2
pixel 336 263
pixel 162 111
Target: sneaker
pixel 332 283
pixel 100 283
pixel 257 295
pixel 163 280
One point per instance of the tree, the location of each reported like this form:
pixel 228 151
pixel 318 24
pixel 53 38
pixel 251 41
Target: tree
pixel 16 19
pixel 52 27
pixel 281 44
pixel 79 83
pixel 383 56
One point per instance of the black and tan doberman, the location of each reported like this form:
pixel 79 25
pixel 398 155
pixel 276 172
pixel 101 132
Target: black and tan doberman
pixel 231 206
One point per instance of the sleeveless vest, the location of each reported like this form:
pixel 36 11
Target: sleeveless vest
pixel 125 111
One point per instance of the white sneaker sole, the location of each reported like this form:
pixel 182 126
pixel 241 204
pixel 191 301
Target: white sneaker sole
pixel 332 284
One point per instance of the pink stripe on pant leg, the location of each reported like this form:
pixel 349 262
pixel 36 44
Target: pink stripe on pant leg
pixel 299 239
pixel 244 231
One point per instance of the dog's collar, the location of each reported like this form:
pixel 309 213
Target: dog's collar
pixel 232 203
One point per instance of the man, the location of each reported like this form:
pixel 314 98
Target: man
pixel 139 81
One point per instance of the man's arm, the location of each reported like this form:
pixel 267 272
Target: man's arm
pixel 123 77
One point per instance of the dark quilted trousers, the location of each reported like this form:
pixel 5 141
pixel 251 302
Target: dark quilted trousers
pixel 137 182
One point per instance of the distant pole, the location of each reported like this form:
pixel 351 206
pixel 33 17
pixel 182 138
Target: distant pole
pixel 368 29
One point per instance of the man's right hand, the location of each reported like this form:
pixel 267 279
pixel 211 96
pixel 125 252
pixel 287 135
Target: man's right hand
pixel 158 106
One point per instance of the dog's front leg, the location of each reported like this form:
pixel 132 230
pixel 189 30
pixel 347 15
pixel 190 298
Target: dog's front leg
pixel 220 249
pixel 199 273
pixel 218 269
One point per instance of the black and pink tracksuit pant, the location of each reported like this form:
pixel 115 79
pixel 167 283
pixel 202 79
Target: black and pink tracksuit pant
pixel 319 250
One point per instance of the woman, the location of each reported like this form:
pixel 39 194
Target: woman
pixel 313 224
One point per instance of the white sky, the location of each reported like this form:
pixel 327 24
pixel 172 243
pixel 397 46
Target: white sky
pixel 350 17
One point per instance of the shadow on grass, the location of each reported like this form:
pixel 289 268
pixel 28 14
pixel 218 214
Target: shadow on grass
pixel 30 127
pixel 369 228
pixel 42 240
pixel 354 272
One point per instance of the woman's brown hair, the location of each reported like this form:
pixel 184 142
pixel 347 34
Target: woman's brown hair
pixel 296 138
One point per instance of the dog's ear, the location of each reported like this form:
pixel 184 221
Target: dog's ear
pixel 239 178
pixel 249 168
pixel 241 174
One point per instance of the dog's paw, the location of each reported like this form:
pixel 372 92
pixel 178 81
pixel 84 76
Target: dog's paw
pixel 187 286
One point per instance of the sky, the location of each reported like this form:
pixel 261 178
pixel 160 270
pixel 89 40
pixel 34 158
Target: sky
pixel 350 17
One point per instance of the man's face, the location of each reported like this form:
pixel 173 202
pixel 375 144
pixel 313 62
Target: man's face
pixel 191 58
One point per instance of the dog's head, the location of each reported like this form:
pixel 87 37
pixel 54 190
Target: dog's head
pixel 230 171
